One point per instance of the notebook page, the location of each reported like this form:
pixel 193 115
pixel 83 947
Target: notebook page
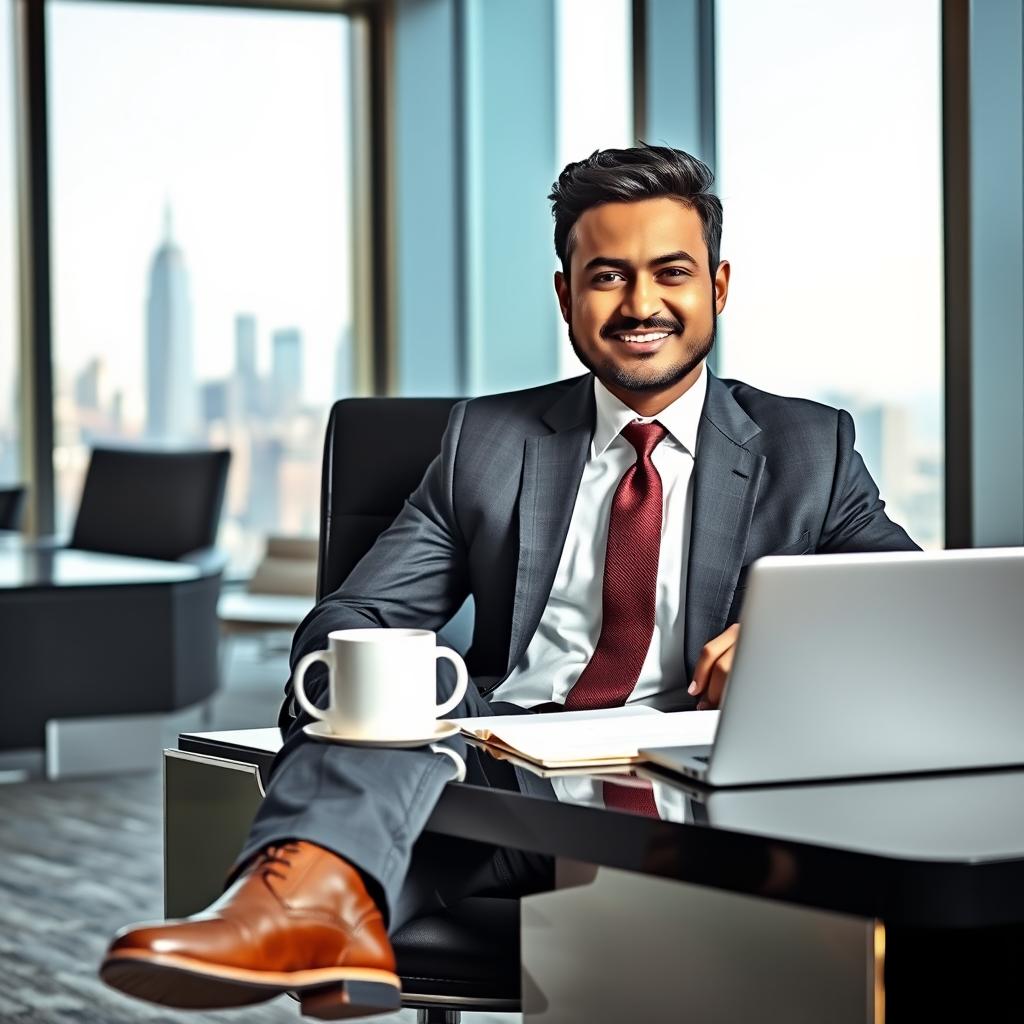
pixel 482 727
pixel 600 737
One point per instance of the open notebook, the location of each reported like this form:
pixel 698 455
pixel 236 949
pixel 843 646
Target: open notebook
pixel 584 738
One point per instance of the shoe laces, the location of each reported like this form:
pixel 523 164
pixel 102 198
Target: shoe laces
pixel 271 856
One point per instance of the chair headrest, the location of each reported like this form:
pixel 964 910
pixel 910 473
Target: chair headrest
pixel 375 453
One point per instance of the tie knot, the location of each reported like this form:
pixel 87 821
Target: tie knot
pixel 644 437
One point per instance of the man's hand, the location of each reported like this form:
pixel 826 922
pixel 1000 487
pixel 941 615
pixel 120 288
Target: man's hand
pixel 713 668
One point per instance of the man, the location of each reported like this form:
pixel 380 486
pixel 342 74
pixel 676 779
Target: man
pixel 602 526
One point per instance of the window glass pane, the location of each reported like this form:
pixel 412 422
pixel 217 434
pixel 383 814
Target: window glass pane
pixel 594 66
pixel 8 254
pixel 201 226
pixel 830 158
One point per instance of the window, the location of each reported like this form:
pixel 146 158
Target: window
pixel 830 162
pixel 9 403
pixel 200 169
pixel 594 67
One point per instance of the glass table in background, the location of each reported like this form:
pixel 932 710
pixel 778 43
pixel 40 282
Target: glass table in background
pixel 43 564
pixel 94 648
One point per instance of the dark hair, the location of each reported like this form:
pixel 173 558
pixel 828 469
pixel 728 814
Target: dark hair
pixel 628 175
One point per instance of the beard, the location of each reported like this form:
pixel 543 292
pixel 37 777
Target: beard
pixel 639 380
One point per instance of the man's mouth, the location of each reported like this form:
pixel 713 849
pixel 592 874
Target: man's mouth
pixel 643 341
pixel 642 337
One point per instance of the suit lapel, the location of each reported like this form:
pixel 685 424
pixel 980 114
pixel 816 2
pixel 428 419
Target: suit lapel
pixel 552 467
pixel 725 484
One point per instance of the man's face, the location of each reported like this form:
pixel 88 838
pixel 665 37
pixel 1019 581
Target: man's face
pixel 640 302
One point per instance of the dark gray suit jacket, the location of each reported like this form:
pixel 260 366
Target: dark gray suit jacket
pixel 772 476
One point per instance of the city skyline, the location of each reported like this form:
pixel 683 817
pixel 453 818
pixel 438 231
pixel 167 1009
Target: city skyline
pixel 274 430
pixel 222 149
pixel 268 420
pixel 170 379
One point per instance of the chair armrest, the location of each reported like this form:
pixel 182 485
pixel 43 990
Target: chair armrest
pixel 209 561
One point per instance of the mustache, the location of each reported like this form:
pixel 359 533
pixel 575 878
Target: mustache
pixel 652 323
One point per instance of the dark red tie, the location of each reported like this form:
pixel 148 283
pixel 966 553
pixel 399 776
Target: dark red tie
pixel 634 799
pixel 630 580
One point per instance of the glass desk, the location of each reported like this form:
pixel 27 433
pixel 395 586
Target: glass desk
pixel 898 898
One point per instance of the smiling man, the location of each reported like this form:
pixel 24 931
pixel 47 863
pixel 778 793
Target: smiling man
pixel 603 526
pixel 643 311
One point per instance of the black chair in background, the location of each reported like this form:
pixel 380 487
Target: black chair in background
pixel 375 453
pixel 151 504
pixel 12 507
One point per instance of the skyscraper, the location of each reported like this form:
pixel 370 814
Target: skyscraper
pixel 91 386
pixel 246 372
pixel 263 506
pixel 172 405
pixel 286 370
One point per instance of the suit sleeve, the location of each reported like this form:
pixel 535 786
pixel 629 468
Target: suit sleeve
pixel 856 518
pixel 414 576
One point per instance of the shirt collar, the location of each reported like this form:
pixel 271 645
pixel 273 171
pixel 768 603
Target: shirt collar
pixel 681 419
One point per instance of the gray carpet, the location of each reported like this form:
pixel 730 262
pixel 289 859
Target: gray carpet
pixel 79 859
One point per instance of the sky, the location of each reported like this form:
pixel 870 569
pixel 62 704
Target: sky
pixel 829 171
pixel 238 121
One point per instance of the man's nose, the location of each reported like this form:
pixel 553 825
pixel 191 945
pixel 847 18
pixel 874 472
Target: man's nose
pixel 641 300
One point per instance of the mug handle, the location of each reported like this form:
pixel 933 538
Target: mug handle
pixel 297 686
pixel 461 680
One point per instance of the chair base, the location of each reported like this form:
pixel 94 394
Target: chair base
pixel 438 1015
pixel 21 765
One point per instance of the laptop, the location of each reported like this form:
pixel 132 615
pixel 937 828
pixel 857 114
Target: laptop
pixel 870 664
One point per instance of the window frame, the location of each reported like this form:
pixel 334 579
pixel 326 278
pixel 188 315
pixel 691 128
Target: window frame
pixel 371 284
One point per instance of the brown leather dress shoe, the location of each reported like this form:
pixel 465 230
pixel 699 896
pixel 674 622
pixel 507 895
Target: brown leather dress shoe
pixel 297 919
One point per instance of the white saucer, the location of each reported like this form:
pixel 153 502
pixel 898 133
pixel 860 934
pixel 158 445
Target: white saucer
pixel 443 728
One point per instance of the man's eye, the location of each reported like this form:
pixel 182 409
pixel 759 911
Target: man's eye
pixel 609 277
pixel 674 272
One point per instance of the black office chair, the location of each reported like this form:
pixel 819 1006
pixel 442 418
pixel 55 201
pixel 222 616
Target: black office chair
pixel 12 505
pixel 151 504
pixel 375 453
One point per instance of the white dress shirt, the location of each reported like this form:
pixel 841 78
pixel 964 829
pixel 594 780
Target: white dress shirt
pixel 571 624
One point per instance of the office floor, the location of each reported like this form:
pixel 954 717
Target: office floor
pixel 78 859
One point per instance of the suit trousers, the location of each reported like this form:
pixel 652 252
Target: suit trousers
pixel 370 805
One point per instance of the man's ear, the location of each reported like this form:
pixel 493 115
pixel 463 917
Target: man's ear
pixel 722 285
pixel 564 295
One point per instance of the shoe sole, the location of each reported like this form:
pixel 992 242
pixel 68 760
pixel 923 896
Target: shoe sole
pixel 327 993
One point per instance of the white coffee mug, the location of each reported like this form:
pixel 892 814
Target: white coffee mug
pixel 382 683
